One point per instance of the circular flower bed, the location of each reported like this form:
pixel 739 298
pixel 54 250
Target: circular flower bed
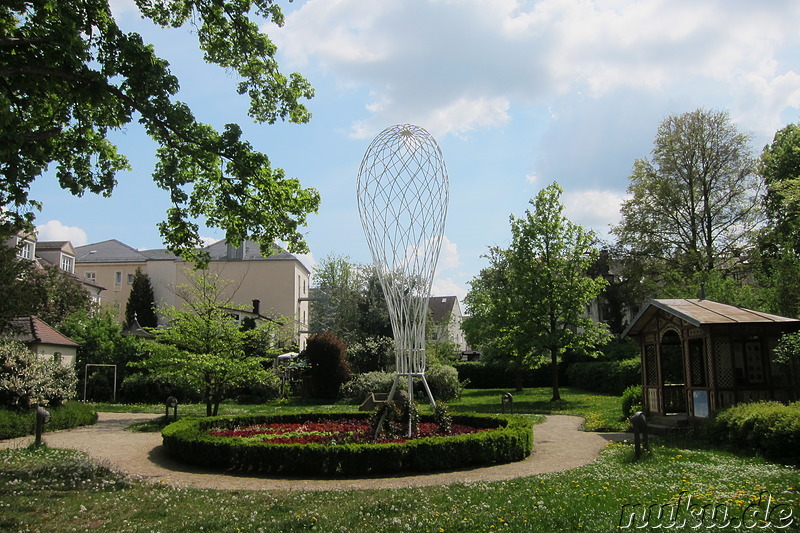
pixel 341 444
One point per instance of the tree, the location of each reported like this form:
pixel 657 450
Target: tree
pixel 328 365
pixel 141 302
pixel 779 239
pixel 203 343
pixel 70 74
pixel 14 286
pixel 695 204
pixel 27 380
pixel 536 292
pixel 339 288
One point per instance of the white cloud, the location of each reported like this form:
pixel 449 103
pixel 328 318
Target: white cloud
pixel 448 287
pixel 448 256
pixel 496 54
pixel 593 209
pixel 54 230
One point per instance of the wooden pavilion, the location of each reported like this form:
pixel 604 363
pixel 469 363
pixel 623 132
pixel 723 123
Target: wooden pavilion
pixel 699 356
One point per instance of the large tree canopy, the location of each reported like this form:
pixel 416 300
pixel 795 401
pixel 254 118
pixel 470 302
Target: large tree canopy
pixel 695 204
pixel 531 301
pixel 69 75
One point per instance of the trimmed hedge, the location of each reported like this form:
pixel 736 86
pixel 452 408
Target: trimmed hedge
pixel 611 377
pixel 771 429
pixel 188 440
pixel 72 414
pixel 481 375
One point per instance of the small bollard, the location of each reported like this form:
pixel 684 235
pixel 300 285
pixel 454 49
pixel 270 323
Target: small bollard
pixel 42 418
pixel 507 399
pixel 639 424
pixel 172 402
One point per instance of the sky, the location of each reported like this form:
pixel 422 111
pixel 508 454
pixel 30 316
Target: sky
pixel 518 94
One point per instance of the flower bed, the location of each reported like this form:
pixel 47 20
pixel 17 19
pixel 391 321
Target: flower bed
pixel 340 444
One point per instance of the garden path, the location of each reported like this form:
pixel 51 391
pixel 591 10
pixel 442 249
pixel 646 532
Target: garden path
pixel 559 445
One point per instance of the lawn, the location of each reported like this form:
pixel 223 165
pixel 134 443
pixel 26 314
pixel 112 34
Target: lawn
pixel 680 483
pixel 59 490
pixel 601 412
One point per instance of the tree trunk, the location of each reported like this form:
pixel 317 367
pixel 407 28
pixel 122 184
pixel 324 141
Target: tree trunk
pixel 519 376
pixel 554 362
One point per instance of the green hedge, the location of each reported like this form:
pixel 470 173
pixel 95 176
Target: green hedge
pixel 771 429
pixel 72 414
pixel 188 440
pixel 481 375
pixel 611 377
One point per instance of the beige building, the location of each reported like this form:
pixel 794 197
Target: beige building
pixel 277 285
pixel 446 315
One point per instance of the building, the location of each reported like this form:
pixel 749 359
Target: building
pixel 700 356
pixel 279 282
pixel 60 254
pixel 446 315
pixel 43 340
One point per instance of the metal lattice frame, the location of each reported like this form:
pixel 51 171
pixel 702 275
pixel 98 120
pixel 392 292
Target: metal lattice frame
pixel 403 193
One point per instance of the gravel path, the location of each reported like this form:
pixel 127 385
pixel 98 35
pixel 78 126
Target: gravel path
pixel 559 445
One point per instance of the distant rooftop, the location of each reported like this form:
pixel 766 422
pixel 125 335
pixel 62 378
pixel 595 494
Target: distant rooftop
pixel 114 251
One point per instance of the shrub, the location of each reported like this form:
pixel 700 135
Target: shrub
pixel 266 388
pixel 358 388
pixel 188 440
pixel 611 377
pixel 15 423
pixel 771 429
pixel 490 375
pixel 443 381
pixel 328 366
pixel 27 379
pixel 632 401
pixel 373 354
pixel 153 388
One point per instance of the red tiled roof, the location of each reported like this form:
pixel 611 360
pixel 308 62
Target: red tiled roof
pixel 33 330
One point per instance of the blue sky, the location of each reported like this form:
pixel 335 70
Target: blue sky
pixel 518 95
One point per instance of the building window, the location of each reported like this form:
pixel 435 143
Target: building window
pixel 26 251
pixel 130 279
pixel 66 263
pixel 90 276
pixel 117 280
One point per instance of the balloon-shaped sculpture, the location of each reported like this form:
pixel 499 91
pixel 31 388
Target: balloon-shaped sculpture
pixel 402 198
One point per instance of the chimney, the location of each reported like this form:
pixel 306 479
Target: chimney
pixel 256 306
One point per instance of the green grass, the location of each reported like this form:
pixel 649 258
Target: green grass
pixel 58 490
pixel 601 412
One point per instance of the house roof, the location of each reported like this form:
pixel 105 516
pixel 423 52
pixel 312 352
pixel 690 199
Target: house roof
pixel 64 246
pixel 441 306
pixel 702 312
pixel 110 251
pixel 114 251
pixel 33 330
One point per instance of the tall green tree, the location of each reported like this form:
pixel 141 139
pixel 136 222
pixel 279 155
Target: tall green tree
pixel 69 75
pixel 694 205
pixel 203 343
pixel 779 239
pixel 535 293
pixel 141 301
pixel 338 291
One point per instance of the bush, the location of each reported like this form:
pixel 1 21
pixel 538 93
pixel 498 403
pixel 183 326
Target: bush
pixel 771 429
pixel 632 401
pixel 14 423
pixel 489 375
pixel 373 354
pixel 611 377
pixel 27 379
pixel 188 440
pixel 266 388
pixel 328 366
pixel 152 388
pixel 358 388
pixel 443 381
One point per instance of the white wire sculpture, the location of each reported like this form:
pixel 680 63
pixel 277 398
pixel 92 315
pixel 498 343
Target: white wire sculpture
pixel 403 193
